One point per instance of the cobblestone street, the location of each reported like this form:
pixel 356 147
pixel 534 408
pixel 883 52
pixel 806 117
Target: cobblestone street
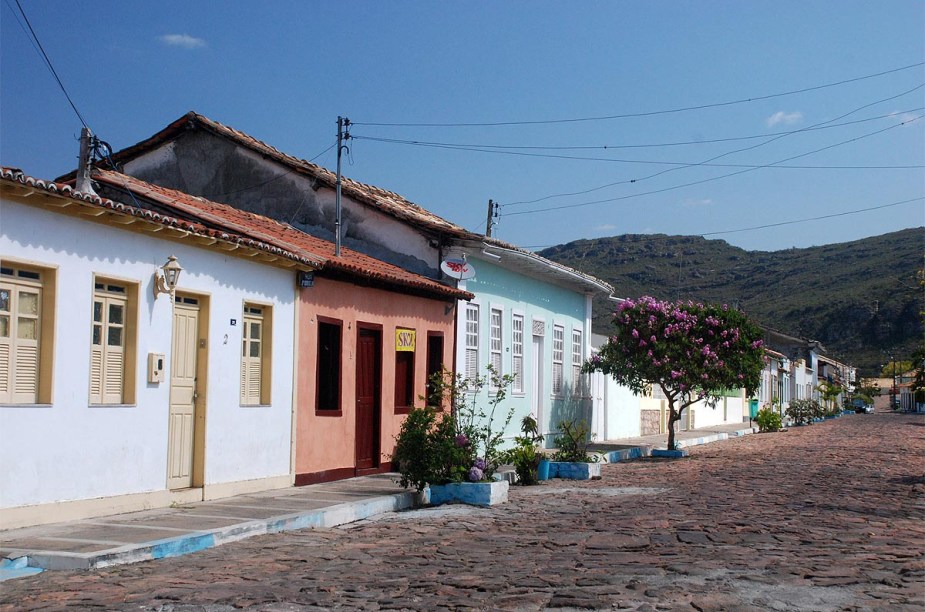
pixel 825 517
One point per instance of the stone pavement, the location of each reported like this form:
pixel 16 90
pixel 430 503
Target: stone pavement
pixel 825 517
pixel 170 532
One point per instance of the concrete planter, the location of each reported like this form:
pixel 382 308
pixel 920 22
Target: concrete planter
pixel 473 493
pixel 671 454
pixel 574 470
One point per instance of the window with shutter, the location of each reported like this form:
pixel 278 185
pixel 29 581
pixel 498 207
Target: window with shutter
pixel 108 343
pixel 472 341
pixel 517 349
pixel 255 355
pixel 20 331
pixel 495 340
pixel 577 379
pixel 558 350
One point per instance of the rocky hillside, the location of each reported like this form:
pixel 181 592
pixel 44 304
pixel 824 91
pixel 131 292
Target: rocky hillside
pixel 860 299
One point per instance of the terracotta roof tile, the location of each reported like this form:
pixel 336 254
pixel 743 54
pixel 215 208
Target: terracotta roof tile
pixel 316 250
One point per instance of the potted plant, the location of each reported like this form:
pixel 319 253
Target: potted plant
pixel 452 455
pixel 526 456
pixel 571 459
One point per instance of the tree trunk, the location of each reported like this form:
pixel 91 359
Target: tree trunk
pixel 673 417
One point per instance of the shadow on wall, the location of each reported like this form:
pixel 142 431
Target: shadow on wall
pixel 573 405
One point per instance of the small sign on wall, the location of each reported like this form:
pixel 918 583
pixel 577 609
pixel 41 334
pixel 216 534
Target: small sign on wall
pixel 405 339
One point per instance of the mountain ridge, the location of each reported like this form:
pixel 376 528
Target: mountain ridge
pixel 862 298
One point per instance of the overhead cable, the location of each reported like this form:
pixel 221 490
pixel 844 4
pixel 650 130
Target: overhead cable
pixel 648 113
pixel 715 178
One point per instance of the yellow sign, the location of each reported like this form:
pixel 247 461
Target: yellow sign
pixel 404 339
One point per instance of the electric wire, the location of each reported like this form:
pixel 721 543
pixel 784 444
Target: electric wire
pixel 647 113
pixel 479 147
pixel 617 160
pixel 50 66
pixel 771 139
pixel 831 216
pixel 715 178
pixel 778 224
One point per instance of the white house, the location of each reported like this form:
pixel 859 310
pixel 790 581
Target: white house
pixel 118 393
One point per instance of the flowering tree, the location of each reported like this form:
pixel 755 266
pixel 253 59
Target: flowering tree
pixel 691 351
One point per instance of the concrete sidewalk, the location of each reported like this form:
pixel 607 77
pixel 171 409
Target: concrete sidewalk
pixel 179 530
pixel 170 532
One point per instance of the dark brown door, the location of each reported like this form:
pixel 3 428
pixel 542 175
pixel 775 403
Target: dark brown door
pixel 369 410
pixel 434 366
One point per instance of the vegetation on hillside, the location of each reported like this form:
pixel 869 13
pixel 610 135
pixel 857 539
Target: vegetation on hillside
pixel 861 299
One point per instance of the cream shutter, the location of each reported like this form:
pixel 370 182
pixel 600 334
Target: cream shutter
pixel 251 360
pixel 25 368
pixel 6 343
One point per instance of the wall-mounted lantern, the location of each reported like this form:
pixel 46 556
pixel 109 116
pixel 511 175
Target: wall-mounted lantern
pixel 166 277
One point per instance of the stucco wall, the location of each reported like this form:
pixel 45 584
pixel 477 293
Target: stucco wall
pixel 326 443
pixel 498 287
pixel 206 165
pixel 70 450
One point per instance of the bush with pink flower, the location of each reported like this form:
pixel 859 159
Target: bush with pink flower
pixel 692 351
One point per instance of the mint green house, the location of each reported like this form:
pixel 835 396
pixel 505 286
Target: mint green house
pixel 531 319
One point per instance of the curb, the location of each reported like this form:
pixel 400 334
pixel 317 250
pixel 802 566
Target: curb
pixel 638 452
pixel 195 541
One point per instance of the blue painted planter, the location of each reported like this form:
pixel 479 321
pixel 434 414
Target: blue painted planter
pixel 542 471
pixel 574 470
pixel 672 454
pixel 473 493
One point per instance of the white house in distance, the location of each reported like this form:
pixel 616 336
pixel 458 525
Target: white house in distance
pixel 117 393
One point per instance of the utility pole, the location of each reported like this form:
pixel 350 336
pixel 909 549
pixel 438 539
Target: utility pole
pixel 492 215
pixel 343 124
pixel 83 184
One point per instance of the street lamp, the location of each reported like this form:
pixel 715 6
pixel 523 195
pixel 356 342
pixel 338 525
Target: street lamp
pixel 166 277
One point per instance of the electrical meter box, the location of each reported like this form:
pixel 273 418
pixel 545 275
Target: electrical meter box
pixel 155 367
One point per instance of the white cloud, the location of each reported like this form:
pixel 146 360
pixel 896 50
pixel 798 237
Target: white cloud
pixel 696 203
pixel 785 118
pixel 182 40
pixel 607 227
pixel 906 118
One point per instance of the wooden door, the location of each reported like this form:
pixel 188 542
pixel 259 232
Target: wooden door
pixel 434 367
pixel 368 393
pixel 536 387
pixel 181 429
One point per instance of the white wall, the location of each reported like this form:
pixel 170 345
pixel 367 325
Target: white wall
pixel 70 450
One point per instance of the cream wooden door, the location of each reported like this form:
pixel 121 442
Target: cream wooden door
pixel 181 430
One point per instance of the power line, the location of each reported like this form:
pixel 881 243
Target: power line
pixel 648 113
pixel 49 65
pixel 792 222
pixel 715 178
pixel 490 147
pixel 770 140
pixel 841 214
pixel 621 160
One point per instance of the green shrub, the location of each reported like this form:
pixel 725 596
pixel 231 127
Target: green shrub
pixel 573 442
pixel 768 419
pixel 525 456
pixel 802 412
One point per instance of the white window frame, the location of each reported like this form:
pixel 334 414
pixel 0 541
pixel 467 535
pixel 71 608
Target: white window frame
pixel 472 341
pixel 577 360
pixel 495 342
pixel 517 352
pixel 558 358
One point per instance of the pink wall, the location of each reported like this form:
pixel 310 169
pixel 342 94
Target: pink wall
pixel 325 444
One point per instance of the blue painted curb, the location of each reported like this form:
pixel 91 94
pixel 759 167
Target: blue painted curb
pixel 671 454
pixel 17 568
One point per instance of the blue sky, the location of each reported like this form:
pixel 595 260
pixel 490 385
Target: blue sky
pixel 283 71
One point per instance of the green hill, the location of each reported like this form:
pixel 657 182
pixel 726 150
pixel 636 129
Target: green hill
pixel 861 299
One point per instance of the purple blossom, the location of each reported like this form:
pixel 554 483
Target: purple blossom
pixel 462 440
pixel 475 474
pixel 635 333
pixel 480 463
